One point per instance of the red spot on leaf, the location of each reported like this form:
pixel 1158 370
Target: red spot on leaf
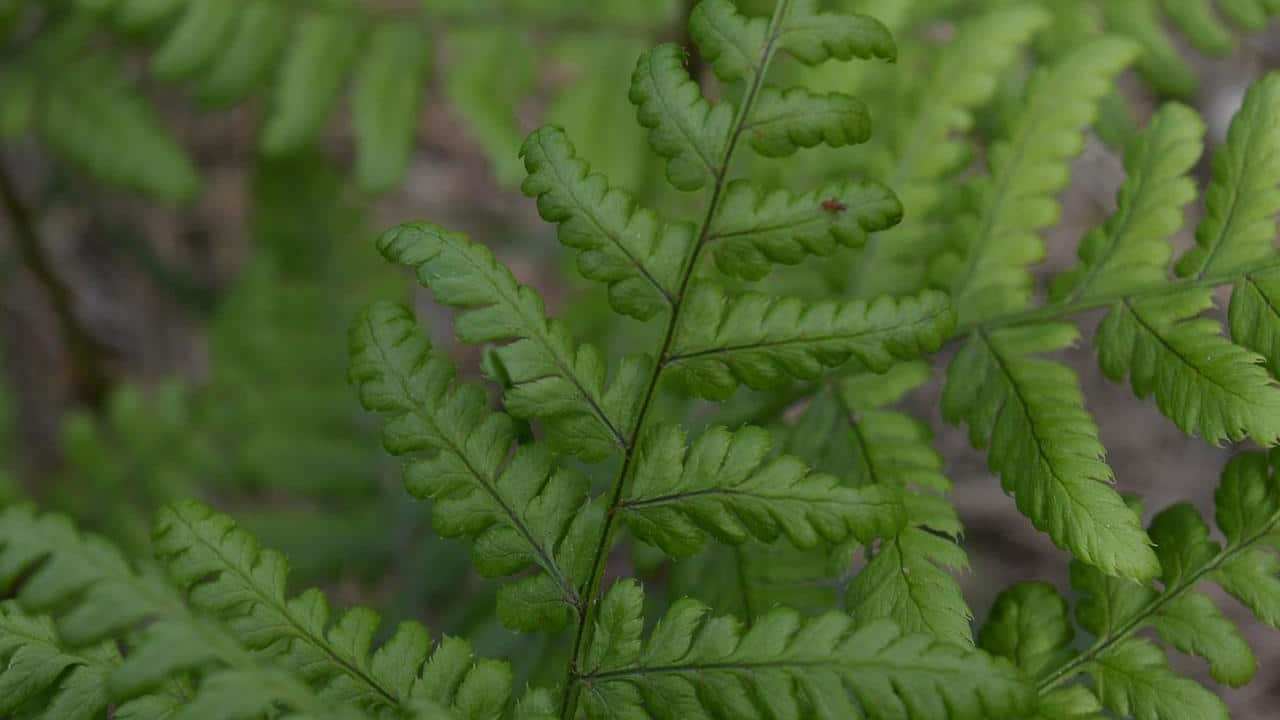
pixel 834 206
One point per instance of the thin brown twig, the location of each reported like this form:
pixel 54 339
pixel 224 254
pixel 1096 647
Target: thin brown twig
pixel 88 356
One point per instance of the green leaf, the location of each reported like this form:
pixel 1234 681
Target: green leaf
pixel 1198 20
pixel 907 582
pixel 1253 578
pixel 1248 499
pixel 730 42
pixel 225 572
pixel 1134 680
pixel 1018 199
pixel 1242 200
pixel 1073 702
pixel 753 229
pixel 251 51
pixel 784 121
pixel 814 37
pixel 926 147
pixel 35 664
pixel 1030 626
pixel 683 127
pixel 50 565
pixel 1162 62
pixel 493 67
pixel 726 485
pixel 763 341
pixel 1182 543
pixel 311 77
pixel 1194 624
pixel 1044 445
pixel 1131 251
pixel 196 39
pixel 1107 603
pixel 619 243
pixel 93 118
pixel 1207 385
pixel 548 375
pixel 521 509
pixel 385 107
pixel 1254 315
pixel 695 666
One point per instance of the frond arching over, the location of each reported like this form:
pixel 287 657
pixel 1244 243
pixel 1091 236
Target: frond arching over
pixel 521 509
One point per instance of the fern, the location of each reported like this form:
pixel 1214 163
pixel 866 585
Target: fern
pixel 1030 624
pixel 810 505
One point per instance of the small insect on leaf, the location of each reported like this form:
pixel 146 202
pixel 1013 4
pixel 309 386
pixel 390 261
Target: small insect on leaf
pixel 834 206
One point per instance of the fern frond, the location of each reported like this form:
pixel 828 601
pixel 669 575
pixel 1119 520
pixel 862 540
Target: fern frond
pixel 322 49
pixel 1017 201
pixel 1136 681
pixel 38 672
pixel 549 375
pixel 726 485
pixel 785 121
pixel 813 37
pixel 1131 250
pixel 729 41
pixel 921 150
pixel 906 579
pixel 1044 444
pixel 1206 384
pixel 626 246
pixel 1242 201
pixel 384 108
pixel 521 510
pixel 695 666
pixel 225 572
pixel 683 126
pixel 755 229
pixel 761 341
pixel 1254 315
pixel 1132 675
pixel 250 52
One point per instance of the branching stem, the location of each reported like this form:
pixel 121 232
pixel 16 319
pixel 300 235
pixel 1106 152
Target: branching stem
pixel 1071 667
pixel 591 596
pixel 87 355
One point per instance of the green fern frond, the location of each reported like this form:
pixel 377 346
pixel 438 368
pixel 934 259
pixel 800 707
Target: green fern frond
pixel 729 41
pixel 697 666
pixel 384 106
pixel 548 374
pixel 38 673
pixel 313 69
pixel 1017 201
pixel 755 229
pixel 1132 675
pixel 626 246
pixel 522 511
pixel 224 572
pixel 1242 201
pixel 726 485
pixel 1206 384
pixel 1254 315
pixel 1044 444
pixel 813 36
pixel 683 126
pixel 923 149
pixel 785 121
pixel 1131 250
pixel 762 341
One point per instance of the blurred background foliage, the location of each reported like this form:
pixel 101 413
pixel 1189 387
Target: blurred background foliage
pixel 190 189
